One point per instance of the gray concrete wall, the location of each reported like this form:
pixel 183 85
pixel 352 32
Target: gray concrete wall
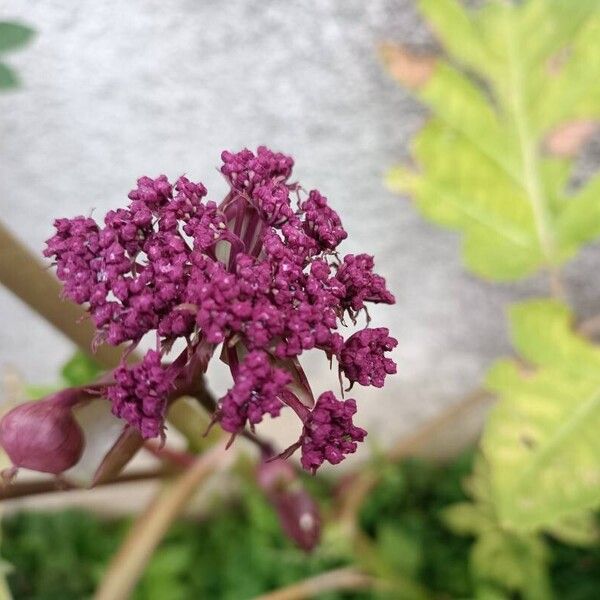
pixel 113 90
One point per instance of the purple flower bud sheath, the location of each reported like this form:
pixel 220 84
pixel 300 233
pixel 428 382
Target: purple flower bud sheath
pixel 43 435
pixel 258 274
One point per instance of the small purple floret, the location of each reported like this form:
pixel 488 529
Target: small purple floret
pixel 362 285
pixel 244 170
pixel 256 393
pixel 363 357
pixel 322 222
pixel 329 433
pixel 140 394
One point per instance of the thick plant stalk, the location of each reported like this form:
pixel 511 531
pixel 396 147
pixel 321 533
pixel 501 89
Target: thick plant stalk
pixel 346 578
pixel 128 563
pixel 26 277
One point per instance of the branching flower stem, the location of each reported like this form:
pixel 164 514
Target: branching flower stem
pixel 129 562
pixel 26 489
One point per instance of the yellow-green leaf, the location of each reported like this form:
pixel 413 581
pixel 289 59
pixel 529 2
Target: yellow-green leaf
pixel 580 220
pixel 541 440
pixel 516 563
pixel 510 560
pixel 465 518
pixel 454 27
pixel 542 332
pixel 577 530
pixel 480 165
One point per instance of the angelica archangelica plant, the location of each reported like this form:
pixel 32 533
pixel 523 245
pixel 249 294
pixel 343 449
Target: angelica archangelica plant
pixel 258 275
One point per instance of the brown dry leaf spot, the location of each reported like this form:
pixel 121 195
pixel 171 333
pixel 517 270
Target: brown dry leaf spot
pixel 556 62
pixel 412 70
pixel 568 139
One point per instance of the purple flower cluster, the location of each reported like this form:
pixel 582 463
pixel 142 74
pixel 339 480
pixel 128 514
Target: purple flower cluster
pixel 258 273
pixel 245 170
pixel 133 271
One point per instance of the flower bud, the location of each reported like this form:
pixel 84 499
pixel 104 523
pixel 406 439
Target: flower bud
pixel 297 511
pixel 42 436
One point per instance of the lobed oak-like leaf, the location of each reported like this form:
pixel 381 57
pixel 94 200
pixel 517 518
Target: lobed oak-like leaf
pixel 514 74
pixel 541 440
pixel 514 561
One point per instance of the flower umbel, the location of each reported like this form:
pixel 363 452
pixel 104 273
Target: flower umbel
pixel 258 273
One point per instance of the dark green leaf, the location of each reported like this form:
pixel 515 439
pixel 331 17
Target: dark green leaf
pixel 14 35
pixel 8 78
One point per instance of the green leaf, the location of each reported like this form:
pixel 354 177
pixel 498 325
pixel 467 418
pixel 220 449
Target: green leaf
pixel 580 220
pixel 8 78
pixel 466 518
pixel 542 332
pixel 14 35
pixel 517 563
pixel 80 369
pixel 479 165
pixel 581 99
pixel 577 530
pixel 400 550
pixel 541 440
pixel 456 30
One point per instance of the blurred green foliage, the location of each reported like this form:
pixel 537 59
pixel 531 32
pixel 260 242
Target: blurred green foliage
pixel 240 552
pixel 541 441
pixel 80 369
pixel 514 78
pixel 12 37
pixel 500 558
